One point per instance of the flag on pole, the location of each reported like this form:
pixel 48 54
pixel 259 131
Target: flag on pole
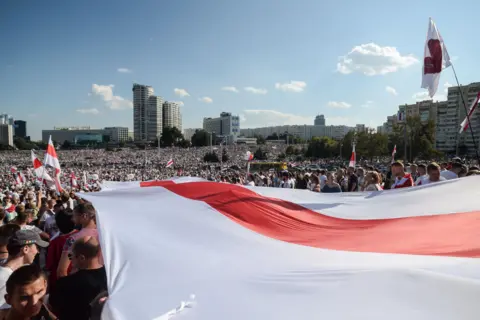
pixel 393 153
pixel 464 124
pixel 51 159
pixel 73 180
pixel 231 252
pixel 40 171
pixel 353 158
pixel 435 59
pixel 169 163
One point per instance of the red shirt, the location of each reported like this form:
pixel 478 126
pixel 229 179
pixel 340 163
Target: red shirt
pixel 404 182
pixel 53 257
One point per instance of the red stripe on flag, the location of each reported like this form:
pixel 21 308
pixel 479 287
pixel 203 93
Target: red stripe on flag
pixel 455 234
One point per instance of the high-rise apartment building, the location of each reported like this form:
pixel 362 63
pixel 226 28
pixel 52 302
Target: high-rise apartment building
pixel 6 134
pixel 450 116
pixel 154 118
pixel 172 116
pixel 319 120
pixel 20 129
pixel 226 125
pixel 141 94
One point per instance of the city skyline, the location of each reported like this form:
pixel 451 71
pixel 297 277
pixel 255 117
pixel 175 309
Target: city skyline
pixel 354 65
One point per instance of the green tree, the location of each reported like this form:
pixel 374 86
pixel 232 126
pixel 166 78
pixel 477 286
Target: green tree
pixel 225 156
pixel 184 143
pixel 259 154
pixel 370 144
pixel 67 145
pixel 323 147
pixel 211 157
pixel 290 150
pixel 260 139
pixel 200 138
pixel 273 136
pixel 23 144
pixel 170 137
pixel 420 138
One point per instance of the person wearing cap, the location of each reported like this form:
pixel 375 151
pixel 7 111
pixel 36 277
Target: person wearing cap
pixel 22 249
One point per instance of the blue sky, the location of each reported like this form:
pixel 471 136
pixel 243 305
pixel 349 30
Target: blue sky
pixel 74 62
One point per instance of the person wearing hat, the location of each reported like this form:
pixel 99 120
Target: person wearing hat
pixel 22 249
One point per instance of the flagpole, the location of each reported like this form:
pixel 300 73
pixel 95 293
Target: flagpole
pixel 466 113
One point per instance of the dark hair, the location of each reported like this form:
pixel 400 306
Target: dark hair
pixel 89 210
pixel 64 220
pixel 6 232
pixel 22 216
pixel 23 276
pixel 457 165
pixel 423 166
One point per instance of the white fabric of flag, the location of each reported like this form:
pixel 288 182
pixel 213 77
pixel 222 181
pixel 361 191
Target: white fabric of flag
pixel 435 59
pixel 214 251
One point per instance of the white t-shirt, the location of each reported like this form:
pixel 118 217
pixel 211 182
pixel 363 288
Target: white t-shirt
pixel 427 180
pixel 5 273
pixel 447 174
pixel 323 180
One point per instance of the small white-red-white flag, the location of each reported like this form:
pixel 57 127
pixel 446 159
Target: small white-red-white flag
pixel 51 159
pixel 73 180
pixel 353 158
pixel 435 59
pixel 393 153
pixel 464 124
pixel 40 171
pixel 169 163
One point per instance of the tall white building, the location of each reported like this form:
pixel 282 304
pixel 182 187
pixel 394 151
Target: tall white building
pixel 172 116
pixel 141 94
pixel 7 119
pixel 302 131
pixel 227 125
pixel 154 117
pixel 6 134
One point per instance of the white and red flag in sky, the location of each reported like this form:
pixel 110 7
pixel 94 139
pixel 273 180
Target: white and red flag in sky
pixel 353 158
pixel 435 59
pixel 51 159
pixel 464 125
pixel 226 251
pixel 40 172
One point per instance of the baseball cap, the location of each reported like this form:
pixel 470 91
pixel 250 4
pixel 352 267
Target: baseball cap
pixel 26 237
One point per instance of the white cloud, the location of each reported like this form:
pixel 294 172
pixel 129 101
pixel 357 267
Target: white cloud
pixel 439 96
pixel 367 104
pixel 231 89
pixel 180 103
pixel 88 111
pixel 292 86
pixel 124 70
pixel 255 90
pixel 391 90
pixel 264 118
pixel 111 101
pixel 181 92
pixel 206 99
pixel 339 104
pixel 372 59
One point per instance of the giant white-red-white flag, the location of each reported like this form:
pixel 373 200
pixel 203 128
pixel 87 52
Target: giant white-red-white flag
pixel 51 159
pixel 464 125
pixel 232 252
pixel 435 59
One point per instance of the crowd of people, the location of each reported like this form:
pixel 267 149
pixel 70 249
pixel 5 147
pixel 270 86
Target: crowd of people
pixel 51 264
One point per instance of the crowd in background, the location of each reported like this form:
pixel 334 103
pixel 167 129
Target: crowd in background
pixel 51 265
